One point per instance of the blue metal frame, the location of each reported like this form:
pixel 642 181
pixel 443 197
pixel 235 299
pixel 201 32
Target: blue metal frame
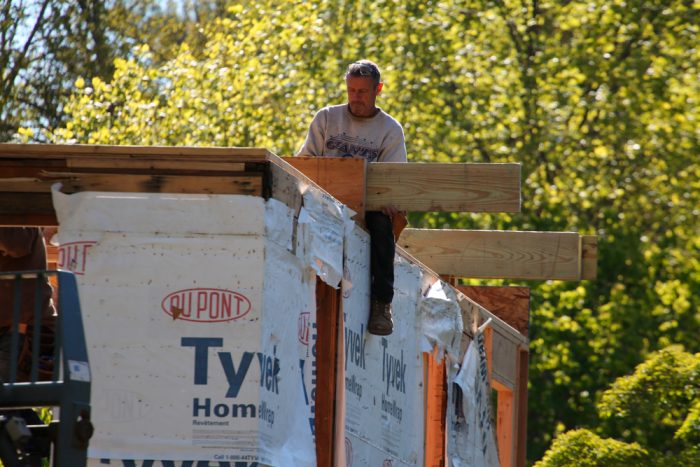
pixel 68 389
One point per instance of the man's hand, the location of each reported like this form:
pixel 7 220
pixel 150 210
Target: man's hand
pixel 390 211
pixel 49 232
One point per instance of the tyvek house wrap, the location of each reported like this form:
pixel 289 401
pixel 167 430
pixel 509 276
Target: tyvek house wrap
pixel 382 375
pixel 200 326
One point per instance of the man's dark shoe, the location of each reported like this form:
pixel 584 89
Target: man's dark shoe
pixel 380 322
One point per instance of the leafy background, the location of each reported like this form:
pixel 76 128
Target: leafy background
pixel 599 100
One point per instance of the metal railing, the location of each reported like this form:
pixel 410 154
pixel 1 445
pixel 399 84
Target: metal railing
pixel 35 384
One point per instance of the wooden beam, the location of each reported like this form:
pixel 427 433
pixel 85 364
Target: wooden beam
pixel 249 184
pixel 444 187
pixel 63 151
pixel 120 163
pixel 245 184
pixel 342 177
pixel 489 254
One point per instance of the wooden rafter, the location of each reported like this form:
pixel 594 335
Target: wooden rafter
pixel 489 254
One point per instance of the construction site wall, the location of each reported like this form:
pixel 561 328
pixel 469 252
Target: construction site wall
pixel 248 305
pixel 200 323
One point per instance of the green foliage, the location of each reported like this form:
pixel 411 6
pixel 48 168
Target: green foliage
pixel 581 448
pixel 657 405
pixel 597 99
pixel 654 411
pixel 251 88
pixel 48 44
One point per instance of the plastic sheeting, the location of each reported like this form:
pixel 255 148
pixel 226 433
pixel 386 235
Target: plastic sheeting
pixel 441 320
pixel 324 221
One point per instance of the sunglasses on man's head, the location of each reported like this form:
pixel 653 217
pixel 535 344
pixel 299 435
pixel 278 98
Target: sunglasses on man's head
pixel 366 70
pixel 363 69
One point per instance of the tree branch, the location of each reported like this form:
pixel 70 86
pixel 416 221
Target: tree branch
pixel 21 58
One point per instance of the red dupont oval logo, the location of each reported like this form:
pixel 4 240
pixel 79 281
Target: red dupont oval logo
pixel 73 256
pixel 206 305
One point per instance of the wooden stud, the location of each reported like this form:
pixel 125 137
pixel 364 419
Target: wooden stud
pixel 327 311
pixel 505 424
pixel 435 395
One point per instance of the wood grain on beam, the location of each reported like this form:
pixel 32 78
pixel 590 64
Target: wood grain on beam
pixel 62 151
pixel 488 254
pixel 73 182
pixel 120 163
pixel 444 187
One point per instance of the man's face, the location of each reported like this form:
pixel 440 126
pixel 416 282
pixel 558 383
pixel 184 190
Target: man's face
pixel 362 95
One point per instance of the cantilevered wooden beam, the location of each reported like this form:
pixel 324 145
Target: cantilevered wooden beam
pixel 489 254
pixel 427 187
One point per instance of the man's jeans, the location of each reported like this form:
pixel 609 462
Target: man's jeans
pixel 382 253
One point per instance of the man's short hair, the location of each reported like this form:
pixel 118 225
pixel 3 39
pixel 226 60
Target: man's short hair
pixel 364 68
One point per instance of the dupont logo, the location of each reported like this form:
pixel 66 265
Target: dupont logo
pixel 73 256
pixel 206 305
pixel 304 327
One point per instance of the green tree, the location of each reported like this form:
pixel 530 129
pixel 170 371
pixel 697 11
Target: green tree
pixel 582 448
pixel 653 412
pixel 597 99
pixel 47 44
